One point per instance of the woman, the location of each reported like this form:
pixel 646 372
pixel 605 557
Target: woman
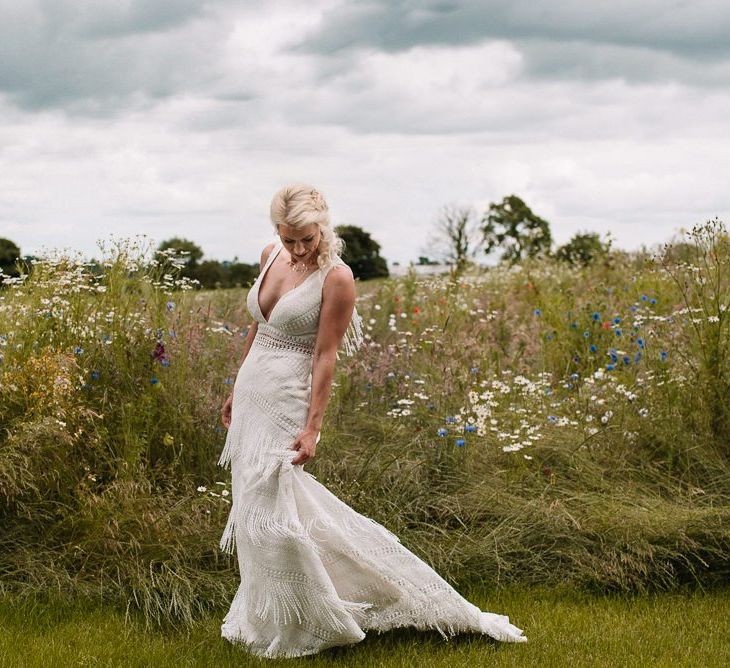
pixel 314 573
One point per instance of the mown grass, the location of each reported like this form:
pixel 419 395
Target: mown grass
pixel 564 628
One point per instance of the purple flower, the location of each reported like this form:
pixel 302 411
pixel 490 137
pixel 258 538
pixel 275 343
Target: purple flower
pixel 170 306
pixel 537 311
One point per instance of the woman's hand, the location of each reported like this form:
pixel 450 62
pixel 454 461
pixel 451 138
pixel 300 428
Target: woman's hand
pixel 226 411
pixel 306 444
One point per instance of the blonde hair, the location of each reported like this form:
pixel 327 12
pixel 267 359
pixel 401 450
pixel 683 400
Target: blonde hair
pixel 301 204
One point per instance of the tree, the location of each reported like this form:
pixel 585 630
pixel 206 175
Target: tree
pixel 583 249
pixel 362 252
pixel 456 237
pixel 512 226
pixel 9 255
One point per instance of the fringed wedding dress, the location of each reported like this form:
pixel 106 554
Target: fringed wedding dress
pixel 314 573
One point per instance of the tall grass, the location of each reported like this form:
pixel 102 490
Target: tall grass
pixel 540 424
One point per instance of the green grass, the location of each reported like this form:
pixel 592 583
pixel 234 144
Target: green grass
pixel 565 628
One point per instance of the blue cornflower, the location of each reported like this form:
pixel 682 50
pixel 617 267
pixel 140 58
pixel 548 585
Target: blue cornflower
pixel 442 431
pixel 613 357
pixel 626 359
pixel 644 298
pixel 552 418
pixel 170 306
pixel 610 367
pixel 537 311
pixel 593 348
pixel 78 350
pixel 632 308
pixel 617 320
pixel 586 334
pixel 154 380
pixel 596 316
pixel 470 428
pixel 450 419
pixel 228 381
pixel 459 442
pixel 640 343
pixel 474 369
pixel 618 332
pixel 637 357
pixel 652 301
pixel 574 376
pixel 664 354
pixel 165 362
pixel 548 391
pixel 95 375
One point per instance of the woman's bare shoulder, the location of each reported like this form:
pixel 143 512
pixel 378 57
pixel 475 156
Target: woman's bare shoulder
pixel 266 252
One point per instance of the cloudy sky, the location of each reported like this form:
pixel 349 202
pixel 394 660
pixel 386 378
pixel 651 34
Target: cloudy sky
pixel 183 117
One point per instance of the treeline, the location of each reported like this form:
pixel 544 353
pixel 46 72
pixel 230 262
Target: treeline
pixel 186 259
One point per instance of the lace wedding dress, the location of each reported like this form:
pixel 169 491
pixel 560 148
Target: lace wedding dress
pixel 314 573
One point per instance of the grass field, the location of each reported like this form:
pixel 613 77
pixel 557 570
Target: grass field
pixel 564 629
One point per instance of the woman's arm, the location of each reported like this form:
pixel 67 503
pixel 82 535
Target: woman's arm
pixel 338 302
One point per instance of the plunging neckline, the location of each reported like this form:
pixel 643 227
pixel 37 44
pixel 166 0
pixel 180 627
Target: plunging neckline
pixel 288 292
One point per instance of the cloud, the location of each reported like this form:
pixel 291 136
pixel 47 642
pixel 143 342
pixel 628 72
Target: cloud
pixel 102 58
pixel 599 39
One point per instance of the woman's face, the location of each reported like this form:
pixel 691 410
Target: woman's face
pixel 301 242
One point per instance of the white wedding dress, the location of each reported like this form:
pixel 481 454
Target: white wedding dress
pixel 314 573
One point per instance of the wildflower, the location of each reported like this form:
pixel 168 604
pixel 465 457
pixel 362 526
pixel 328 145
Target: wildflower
pixel 640 343
pixel 652 301
pixel 459 442
pixel 78 350
pixel 159 353
pixel 593 348
pixel 637 357
pixel 574 376
pixel 643 412
pixel 225 492
pixel 154 381
pixel 537 311
pixel 474 369
pixel 596 316
pixel 586 334
pixel 202 488
pixel 95 375
pixel 228 381
pixel 470 428
pixel 618 332
pixel 450 419
pixel 552 418
pixel 170 306
pixel 616 320
pixel 664 354
pixel 610 367
pixel 644 298
pixel 442 431
pixel 626 359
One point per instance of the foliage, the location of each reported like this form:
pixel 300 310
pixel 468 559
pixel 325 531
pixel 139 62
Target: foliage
pixel 9 255
pixel 512 226
pixel 362 252
pixel 539 423
pixel 583 248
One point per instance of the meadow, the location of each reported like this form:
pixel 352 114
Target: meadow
pixel 540 425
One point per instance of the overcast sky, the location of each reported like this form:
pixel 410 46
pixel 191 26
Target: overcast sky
pixel 182 118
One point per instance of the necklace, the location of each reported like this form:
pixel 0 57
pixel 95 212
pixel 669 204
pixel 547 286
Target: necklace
pixel 303 272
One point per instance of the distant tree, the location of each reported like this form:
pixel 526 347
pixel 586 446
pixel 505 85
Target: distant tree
pixel 9 254
pixel 362 252
pixel 512 226
pixel 583 249
pixel 425 260
pixel 241 275
pixel 456 236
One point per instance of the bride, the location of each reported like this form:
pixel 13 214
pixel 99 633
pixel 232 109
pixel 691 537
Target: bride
pixel 314 573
